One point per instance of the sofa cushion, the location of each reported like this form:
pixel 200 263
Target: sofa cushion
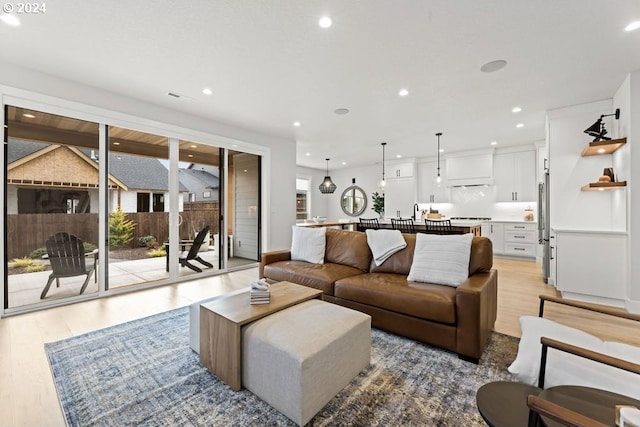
pixel 348 248
pixel 308 244
pixel 318 276
pixel 481 260
pixel 441 259
pixel 393 292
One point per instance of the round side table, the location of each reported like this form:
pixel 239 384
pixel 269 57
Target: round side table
pixel 504 404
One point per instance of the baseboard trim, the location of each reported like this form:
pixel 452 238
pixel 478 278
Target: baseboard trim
pixel 633 306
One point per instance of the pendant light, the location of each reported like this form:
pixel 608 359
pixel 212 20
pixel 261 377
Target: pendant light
pixel 438 178
pixel 382 183
pixel 327 186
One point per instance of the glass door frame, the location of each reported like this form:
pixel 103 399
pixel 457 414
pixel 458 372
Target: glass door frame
pixel 105 117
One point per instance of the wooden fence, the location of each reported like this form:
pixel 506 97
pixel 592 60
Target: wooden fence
pixel 27 232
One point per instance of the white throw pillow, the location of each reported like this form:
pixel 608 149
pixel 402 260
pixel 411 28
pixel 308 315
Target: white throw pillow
pixel 308 244
pixel 441 259
pixel 567 369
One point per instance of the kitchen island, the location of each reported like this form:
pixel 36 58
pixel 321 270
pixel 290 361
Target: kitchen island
pixel 457 226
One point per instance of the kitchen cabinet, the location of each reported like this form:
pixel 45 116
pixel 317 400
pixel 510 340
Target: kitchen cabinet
pixel 400 170
pixel 494 231
pixel 521 239
pixel 399 197
pixel 428 190
pixel 512 238
pixel 515 176
pixel 592 265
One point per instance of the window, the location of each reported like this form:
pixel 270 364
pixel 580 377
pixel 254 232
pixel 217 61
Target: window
pixel 302 198
pixel 40 201
pixel 143 202
pixel 158 202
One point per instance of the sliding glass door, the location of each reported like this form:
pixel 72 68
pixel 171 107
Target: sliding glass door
pixel 51 201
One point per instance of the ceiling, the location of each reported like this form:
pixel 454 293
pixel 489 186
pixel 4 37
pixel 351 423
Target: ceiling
pixel 269 64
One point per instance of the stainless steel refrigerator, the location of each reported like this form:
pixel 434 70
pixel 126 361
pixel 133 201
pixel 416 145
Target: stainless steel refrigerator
pixel 544 228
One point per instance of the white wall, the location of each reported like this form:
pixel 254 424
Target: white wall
pixel 628 97
pixel 279 171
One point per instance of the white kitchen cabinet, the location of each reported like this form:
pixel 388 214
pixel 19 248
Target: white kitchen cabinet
pixel 399 197
pixel 512 238
pixel 428 190
pixel 592 266
pixel 494 231
pixel 515 176
pixel 400 170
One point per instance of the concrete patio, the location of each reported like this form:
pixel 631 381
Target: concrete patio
pixel 25 288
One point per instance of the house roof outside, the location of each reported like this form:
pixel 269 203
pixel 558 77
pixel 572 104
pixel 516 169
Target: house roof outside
pixel 201 180
pixel 136 172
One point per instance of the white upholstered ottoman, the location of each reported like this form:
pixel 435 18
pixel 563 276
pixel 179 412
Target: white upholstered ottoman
pixel 299 358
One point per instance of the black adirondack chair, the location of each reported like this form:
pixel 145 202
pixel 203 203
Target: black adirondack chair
pixel 193 255
pixel 67 258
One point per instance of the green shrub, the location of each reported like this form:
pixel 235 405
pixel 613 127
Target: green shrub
pixel 147 241
pixel 20 262
pixel 38 253
pixel 157 253
pixel 120 229
pixel 35 268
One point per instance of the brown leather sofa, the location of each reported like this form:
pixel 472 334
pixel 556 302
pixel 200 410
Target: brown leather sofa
pixel 457 319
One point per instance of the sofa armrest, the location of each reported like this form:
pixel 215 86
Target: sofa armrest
pixel 271 257
pixel 476 310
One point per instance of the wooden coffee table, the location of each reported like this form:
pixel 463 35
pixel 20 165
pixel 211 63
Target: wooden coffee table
pixel 221 324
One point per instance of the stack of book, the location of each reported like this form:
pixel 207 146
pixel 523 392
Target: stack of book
pixel 260 293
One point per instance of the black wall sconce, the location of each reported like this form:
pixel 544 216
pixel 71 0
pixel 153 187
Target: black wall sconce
pixel 597 130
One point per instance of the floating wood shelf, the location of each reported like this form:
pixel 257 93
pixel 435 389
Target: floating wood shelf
pixel 603 147
pixel 602 186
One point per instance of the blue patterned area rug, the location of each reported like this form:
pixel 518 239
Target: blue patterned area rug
pixel 143 373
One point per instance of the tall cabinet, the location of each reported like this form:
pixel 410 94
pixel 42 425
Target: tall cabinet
pixel 400 191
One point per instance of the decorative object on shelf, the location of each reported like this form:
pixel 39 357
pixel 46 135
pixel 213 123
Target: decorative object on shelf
pixel 378 203
pixel 353 200
pixel 382 183
pixel 528 214
pixel 327 186
pixel 438 178
pixel 609 172
pixel 597 130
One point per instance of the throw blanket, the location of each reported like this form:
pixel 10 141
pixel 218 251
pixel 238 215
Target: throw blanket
pixel 384 243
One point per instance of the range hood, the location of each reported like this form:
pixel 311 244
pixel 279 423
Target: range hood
pixel 470 169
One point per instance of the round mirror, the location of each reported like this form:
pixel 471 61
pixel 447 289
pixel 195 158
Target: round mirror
pixel 353 201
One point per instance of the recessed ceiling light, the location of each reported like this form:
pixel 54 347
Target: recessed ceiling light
pixel 325 22
pixel 194 146
pixel 341 111
pixel 633 26
pixel 344 163
pixel 116 143
pixel 601 150
pixel 493 66
pixel 494 142
pixel 29 116
pixel 297 124
pixel 10 20
pixel 516 109
pixel 398 156
pixel 520 125
pixel 307 154
pixel 207 91
pixel 403 92
pixel 442 150
pixel 190 155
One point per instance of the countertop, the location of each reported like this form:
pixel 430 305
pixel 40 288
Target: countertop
pixel 454 222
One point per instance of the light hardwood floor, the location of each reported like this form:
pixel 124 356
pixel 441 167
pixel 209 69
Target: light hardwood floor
pixel 27 393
